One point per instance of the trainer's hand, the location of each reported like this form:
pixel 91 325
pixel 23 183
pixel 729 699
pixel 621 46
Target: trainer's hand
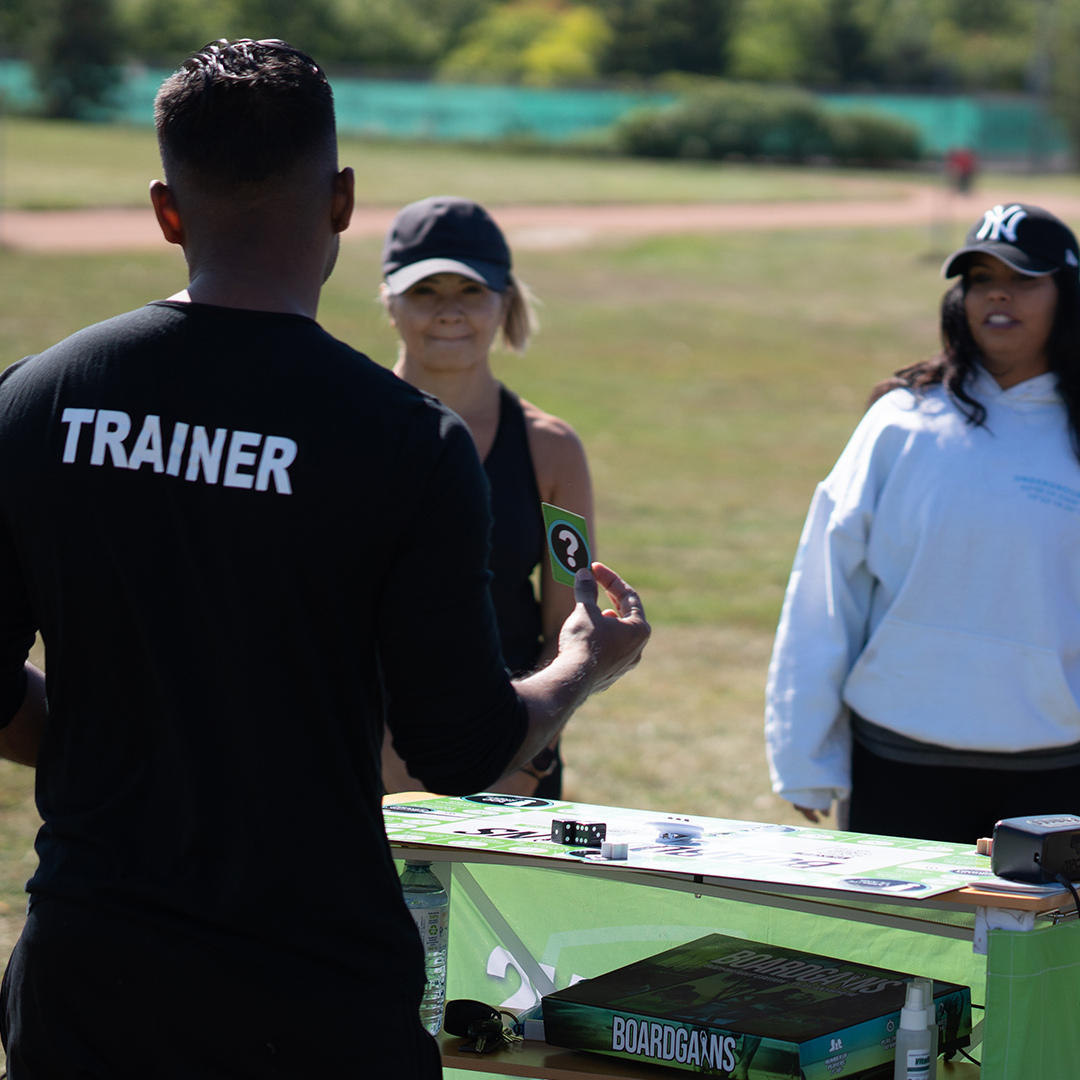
pixel 595 648
pixel 613 639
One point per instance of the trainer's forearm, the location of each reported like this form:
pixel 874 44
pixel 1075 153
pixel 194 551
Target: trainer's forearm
pixel 551 696
pixel 19 741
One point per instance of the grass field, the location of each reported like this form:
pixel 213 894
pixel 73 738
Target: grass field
pixel 58 164
pixel 713 379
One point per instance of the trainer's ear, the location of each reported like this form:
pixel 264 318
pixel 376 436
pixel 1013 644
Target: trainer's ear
pixel 167 212
pixel 343 200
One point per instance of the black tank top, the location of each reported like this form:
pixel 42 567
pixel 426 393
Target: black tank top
pixel 517 536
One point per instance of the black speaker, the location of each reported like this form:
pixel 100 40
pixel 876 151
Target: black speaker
pixel 1037 849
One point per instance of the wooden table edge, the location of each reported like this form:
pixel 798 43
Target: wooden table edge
pixel 544 1062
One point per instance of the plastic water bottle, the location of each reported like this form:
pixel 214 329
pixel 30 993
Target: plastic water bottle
pixel 430 907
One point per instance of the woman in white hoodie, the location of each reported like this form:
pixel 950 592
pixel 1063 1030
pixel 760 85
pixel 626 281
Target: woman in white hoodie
pixel 927 662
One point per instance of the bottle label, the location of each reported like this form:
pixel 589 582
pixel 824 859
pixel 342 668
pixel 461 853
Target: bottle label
pixel 432 924
pixel 918 1065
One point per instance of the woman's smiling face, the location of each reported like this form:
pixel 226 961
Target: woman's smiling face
pixel 447 321
pixel 1010 316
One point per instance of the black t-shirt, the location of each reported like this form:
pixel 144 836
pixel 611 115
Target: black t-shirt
pixel 245 545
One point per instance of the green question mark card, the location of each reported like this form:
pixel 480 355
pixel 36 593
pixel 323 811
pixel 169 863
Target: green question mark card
pixel 568 543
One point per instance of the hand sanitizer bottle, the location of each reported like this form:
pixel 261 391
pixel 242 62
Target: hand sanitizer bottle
pixel 931 1022
pixel 913 1039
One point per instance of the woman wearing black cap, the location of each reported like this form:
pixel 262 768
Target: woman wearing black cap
pixel 927 660
pixel 450 293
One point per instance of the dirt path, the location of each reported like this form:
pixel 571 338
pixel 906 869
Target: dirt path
pixel 554 226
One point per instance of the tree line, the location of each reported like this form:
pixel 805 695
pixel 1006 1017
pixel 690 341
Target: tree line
pixel 970 45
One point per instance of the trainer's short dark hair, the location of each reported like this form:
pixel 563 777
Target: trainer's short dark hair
pixel 240 112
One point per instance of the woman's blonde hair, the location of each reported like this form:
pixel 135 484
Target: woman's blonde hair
pixel 520 322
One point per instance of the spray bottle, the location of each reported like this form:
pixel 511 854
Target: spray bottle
pixel 931 1022
pixel 913 1039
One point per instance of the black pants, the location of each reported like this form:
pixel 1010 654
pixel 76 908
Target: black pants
pixel 931 802
pixel 90 997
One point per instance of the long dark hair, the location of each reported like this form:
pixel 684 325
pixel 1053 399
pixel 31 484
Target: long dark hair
pixel 954 366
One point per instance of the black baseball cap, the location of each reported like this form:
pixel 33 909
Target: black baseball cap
pixel 1027 238
pixel 445 235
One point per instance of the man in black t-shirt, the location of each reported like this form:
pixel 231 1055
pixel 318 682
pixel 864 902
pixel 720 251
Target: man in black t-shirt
pixel 247 547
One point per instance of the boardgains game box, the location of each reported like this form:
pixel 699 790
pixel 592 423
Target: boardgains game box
pixel 723 1006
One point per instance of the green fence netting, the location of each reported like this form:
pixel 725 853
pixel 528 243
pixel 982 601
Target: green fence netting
pixel 995 126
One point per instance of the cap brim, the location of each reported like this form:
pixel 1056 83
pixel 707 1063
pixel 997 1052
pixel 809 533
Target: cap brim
pixel 1009 255
pixel 490 274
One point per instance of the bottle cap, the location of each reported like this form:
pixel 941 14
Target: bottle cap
pixel 913 1014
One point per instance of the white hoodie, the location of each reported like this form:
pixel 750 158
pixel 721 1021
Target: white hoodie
pixel 936 589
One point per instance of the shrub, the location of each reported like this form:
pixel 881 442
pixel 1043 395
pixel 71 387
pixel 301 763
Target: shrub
pixel 74 53
pixel 725 120
pixel 538 42
pixel 871 139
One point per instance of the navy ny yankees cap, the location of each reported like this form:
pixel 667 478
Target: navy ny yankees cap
pixel 444 235
pixel 1027 238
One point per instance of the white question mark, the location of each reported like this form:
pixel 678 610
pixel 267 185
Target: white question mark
pixel 571 545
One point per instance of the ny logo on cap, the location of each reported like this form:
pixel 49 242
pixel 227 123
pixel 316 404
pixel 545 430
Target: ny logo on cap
pixel 1001 221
